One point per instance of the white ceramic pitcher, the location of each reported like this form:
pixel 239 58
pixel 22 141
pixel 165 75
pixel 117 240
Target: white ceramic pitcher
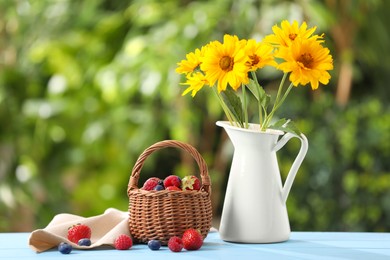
pixel 254 209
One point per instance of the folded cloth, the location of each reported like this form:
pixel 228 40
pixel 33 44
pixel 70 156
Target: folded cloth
pixel 105 228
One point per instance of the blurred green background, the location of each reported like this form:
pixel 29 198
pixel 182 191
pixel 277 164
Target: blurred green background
pixel 86 86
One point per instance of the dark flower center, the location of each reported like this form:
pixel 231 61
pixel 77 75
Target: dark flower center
pixel 307 60
pixel 254 60
pixel 226 63
pixel 292 36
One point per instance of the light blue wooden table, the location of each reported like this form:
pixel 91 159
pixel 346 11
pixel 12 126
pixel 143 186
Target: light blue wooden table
pixel 302 245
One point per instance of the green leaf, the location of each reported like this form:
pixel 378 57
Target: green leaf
pixel 252 86
pixel 286 126
pixel 265 100
pixel 280 123
pixel 233 103
pixel 259 93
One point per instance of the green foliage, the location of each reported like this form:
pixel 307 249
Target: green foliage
pixel 343 183
pixel 233 103
pixel 86 86
pixel 286 126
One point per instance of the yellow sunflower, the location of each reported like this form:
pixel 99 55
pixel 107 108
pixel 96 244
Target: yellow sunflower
pixel 192 61
pixel 308 61
pixel 225 63
pixel 195 81
pixel 286 35
pixel 260 55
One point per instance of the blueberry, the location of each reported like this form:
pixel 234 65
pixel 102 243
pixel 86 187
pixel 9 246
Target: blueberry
pixel 64 248
pixel 84 242
pixel 154 244
pixel 159 187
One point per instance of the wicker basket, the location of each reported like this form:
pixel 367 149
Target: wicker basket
pixel 163 214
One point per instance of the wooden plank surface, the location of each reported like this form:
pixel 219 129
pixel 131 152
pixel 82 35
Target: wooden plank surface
pixel 302 245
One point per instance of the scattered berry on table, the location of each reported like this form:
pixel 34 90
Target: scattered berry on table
pixel 158 187
pixel 190 183
pixel 192 239
pixel 172 180
pixel 173 188
pixel 151 183
pixel 154 244
pixel 64 248
pixel 77 232
pixel 175 244
pixel 84 242
pixel 123 242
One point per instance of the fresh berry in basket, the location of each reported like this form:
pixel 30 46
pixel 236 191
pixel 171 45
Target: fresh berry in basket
pixel 192 239
pixel 172 180
pixel 151 183
pixel 154 244
pixel 64 248
pixel 123 242
pixel 84 242
pixel 77 232
pixel 175 244
pixel 159 187
pixel 173 188
pixel 190 183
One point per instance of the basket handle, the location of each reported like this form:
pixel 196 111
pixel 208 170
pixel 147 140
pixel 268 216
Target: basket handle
pixel 206 182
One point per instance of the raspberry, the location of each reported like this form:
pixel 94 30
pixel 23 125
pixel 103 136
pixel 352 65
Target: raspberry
pixel 192 239
pixel 175 244
pixel 151 183
pixel 64 248
pixel 77 232
pixel 172 180
pixel 190 183
pixel 123 242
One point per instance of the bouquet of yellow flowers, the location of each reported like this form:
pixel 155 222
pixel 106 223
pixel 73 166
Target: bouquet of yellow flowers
pixel 228 66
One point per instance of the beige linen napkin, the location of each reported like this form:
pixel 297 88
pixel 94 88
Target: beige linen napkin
pixel 105 228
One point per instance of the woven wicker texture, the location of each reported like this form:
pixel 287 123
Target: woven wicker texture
pixel 163 214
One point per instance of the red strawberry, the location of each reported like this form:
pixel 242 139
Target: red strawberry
pixel 175 244
pixel 190 183
pixel 77 232
pixel 172 180
pixel 173 188
pixel 151 183
pixel 123 242
pixel 192 239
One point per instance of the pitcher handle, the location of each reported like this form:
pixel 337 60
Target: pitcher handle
pixel 297 162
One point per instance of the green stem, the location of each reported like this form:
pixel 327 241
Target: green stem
pixel 280 90
pixel 276 107
pixel 277 102
pixel 260 107
pixel 284 96
pixel 245 105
